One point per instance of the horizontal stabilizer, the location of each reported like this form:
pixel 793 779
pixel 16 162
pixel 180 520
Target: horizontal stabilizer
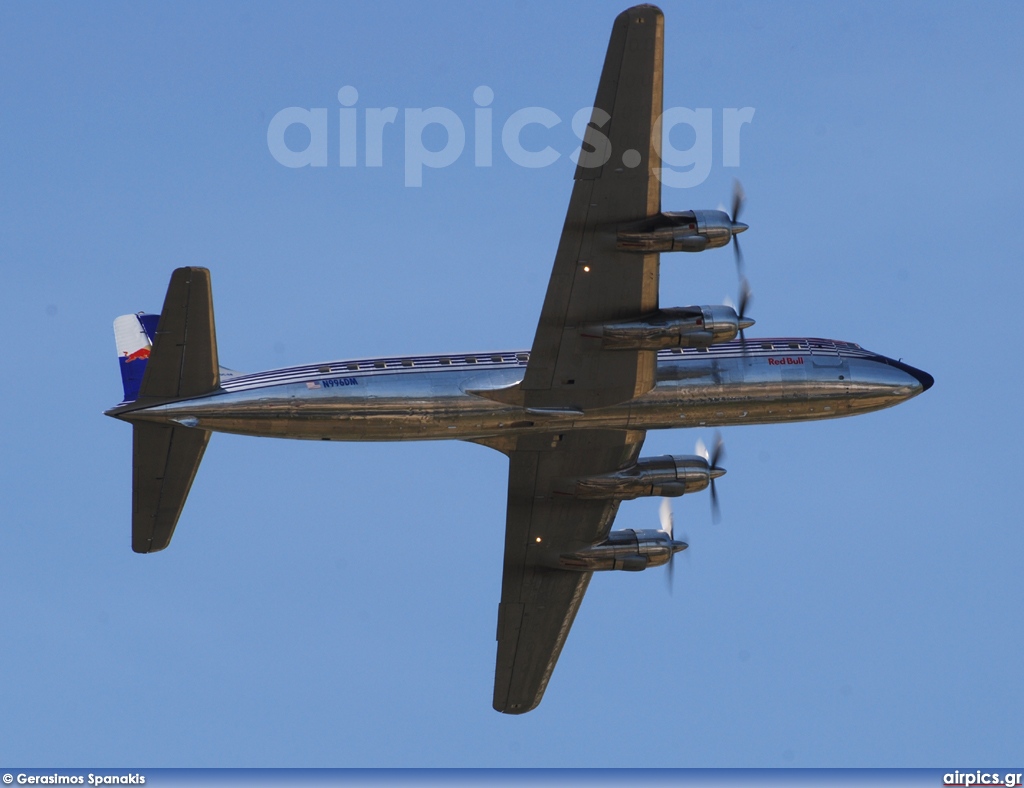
pixel 164 463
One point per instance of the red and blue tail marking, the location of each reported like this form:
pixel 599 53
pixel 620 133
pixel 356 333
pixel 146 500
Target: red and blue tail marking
pixel 134 337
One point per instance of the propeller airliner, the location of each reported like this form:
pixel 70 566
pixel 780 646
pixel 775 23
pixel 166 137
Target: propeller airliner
pixel 607 364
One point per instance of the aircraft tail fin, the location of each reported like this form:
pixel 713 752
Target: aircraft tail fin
pixel 178 349
pixel 172 355
pixel 183 361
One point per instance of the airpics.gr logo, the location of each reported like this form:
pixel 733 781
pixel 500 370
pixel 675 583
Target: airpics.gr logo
pixel 682 168
pixel 1010 779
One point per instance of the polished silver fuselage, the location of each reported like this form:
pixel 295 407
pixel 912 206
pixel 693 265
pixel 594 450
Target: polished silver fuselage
pixel 426 397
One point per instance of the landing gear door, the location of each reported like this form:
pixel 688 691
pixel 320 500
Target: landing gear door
pixel 825 354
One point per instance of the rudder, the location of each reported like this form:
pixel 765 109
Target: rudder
pixel 133 335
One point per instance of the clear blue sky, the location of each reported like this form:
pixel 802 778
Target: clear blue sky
pixel 334 604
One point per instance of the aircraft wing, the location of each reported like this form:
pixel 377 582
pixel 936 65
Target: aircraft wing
pixel 591 282
pixel 538 602
pixel 615 184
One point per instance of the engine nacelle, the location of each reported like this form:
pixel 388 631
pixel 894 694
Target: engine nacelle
pixel 680 231
pixel 669 476
pixel 628 551
pixel 689 326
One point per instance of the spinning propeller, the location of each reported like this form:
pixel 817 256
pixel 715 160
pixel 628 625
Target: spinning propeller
pixel 746 296
pixel 712 459
pixel 665 514
pixel 738 198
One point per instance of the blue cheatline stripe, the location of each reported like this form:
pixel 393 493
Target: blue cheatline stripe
pixel 387 365
pixel 511 359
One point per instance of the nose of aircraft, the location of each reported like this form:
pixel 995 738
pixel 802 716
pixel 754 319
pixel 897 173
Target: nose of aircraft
pixel 880 382
pixel 895 377
pixel 926 380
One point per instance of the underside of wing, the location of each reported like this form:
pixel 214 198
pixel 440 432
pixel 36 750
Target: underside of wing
pixel 592 281
pixel 539 600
